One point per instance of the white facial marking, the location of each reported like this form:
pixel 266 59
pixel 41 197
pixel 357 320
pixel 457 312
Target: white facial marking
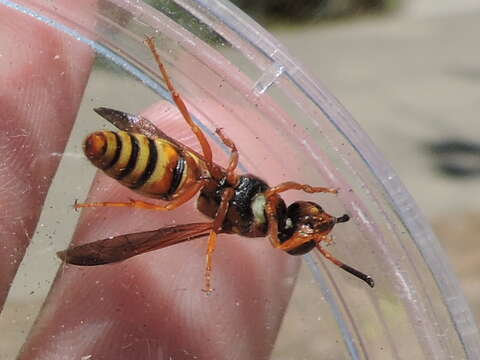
pixel 288 223
pixel 258 208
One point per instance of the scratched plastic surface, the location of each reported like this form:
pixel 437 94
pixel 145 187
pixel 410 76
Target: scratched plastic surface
pixel 221 59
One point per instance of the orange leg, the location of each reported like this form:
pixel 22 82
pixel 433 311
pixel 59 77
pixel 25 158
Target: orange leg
pixel 368 279
pixel 272 199
pixel 329 240
pixel 182 199
pixel 293 243
pixel 270 210
pixel 290 244
pixel 290 185
pixel 232 177
pixel 212 239
pixel 207 151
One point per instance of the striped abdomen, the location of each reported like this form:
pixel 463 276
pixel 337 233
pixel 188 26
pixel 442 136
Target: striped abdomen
pixel 154 167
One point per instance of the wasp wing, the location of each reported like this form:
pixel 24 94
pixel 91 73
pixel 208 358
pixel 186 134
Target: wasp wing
pixel 131 123
pixel 122 247
pixel 140 125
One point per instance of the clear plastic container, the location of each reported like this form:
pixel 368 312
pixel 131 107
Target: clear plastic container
pixel 234 75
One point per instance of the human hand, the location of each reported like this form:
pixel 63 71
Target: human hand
pixel 150 306
pixel 43 75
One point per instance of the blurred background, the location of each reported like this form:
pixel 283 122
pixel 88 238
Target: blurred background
pixel 409 72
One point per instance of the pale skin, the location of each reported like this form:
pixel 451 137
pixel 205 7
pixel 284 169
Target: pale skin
pixel 150 306
pixel 230 174
pixel 38 85
pixel 158 296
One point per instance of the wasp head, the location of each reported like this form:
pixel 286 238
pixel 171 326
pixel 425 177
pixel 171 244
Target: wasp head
pixel 308 221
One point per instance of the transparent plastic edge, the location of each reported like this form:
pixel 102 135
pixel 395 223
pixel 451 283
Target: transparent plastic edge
pixel 403 203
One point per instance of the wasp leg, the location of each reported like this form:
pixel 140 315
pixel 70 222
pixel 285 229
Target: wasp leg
pixel 212 239
pixel 232 177
pixel 207 151
pixel 182 199
pixel 329 240
pixel 270 210
pixel 368 279
pixel 290 244
pixel 290 185
pixel 272 198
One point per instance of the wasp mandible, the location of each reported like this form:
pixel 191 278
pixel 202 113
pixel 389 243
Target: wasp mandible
pixel 148 161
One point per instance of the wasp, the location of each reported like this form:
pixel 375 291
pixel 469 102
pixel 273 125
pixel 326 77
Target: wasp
pixel 148 161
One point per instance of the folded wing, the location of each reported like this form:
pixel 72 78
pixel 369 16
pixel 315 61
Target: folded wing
pixel 122 247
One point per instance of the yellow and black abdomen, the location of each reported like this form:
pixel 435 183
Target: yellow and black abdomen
pixel 154 167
